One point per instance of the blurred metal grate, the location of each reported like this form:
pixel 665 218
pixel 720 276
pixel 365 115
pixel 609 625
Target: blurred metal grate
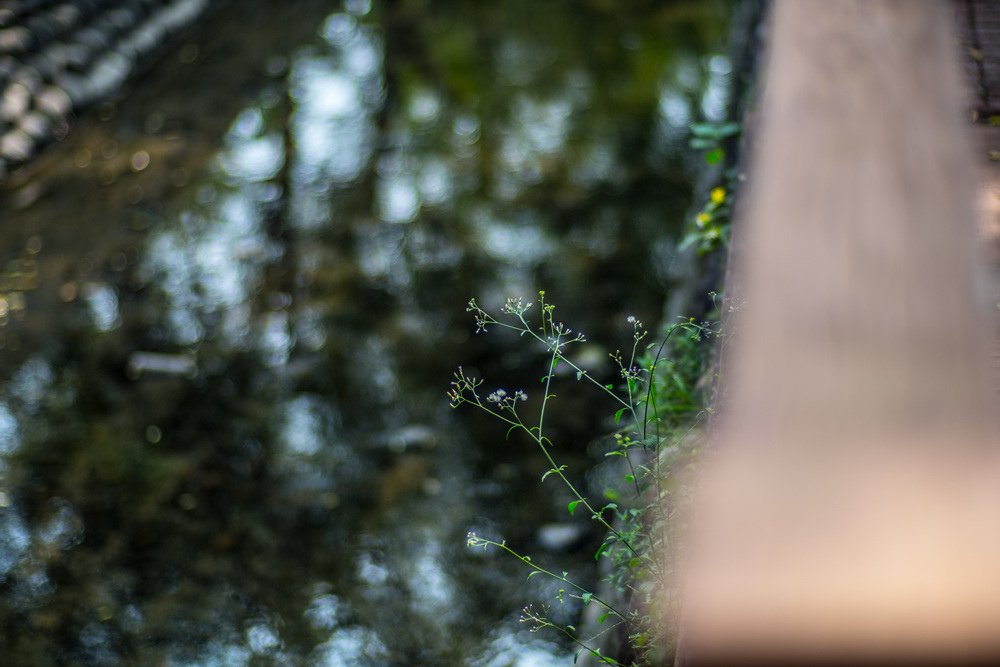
pixel 57 57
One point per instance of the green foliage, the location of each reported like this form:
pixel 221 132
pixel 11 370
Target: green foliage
pixel 710 137
pixel 710 227
pixel 656 404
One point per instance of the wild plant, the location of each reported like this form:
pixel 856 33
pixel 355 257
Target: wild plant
pixel 710 228
pixel 657 403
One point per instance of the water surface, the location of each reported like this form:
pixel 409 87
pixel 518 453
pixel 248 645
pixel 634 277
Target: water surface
pixel 232 300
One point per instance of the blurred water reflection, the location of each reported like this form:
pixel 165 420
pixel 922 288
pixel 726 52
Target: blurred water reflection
pixel 223 433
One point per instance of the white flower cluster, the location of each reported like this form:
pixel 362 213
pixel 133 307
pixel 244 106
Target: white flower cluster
pixel 631 373
pixel 640 331
pixel 502 399
pixel 516 306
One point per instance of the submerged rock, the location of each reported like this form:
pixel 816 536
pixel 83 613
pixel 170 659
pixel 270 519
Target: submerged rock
pixel 561 536
pixel 160 363
pixel 412 437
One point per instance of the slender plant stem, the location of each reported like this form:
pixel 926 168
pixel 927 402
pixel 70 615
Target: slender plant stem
pixel 541 570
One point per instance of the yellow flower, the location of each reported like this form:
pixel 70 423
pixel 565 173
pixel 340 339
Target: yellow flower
pixel 718 195
pixel 703 219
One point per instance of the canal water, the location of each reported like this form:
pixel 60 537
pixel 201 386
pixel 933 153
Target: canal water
pixel 232 299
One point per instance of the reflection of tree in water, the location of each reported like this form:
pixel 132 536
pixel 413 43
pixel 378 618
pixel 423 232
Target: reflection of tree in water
pixel 153 518
pixel 304 496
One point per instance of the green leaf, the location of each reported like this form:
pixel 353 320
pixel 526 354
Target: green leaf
pixel 603 617
pixel 729 129
pixel 713 131
pixel 572 506
pixel 715 156
pixel 685 243
pixel 702 143
pixel 618 416
pixel 609 387
pixel 704 130
pixel 579 375
pixel 553 470
pixel 586 597
pixel 600 550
